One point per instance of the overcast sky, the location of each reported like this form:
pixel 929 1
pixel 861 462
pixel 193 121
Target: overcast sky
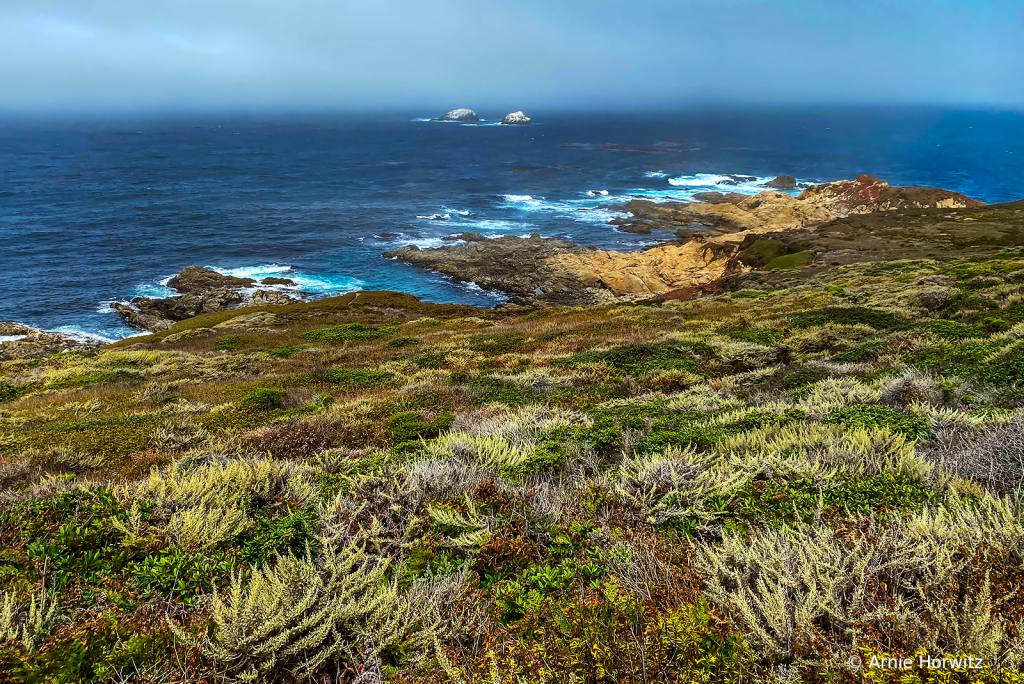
pixel 103 55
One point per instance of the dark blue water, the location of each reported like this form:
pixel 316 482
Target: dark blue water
pixel 103 210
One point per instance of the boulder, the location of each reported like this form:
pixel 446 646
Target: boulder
pixel 250 321
pixel 141 320
pixel 197 280
pixel 8 329
pixel 517 119
pixel 781 183
pixel 157 315
pixel 273 280
pixel 269 298
pixel 461 115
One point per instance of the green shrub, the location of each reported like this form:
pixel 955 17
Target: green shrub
pixel 498 344
pixel 431 361
pixel 846 315
pixel 409 425
pixel 951 330
pixel 232 343
pixel 991 324
pixel 763 250
pixel 263 399
pixel 283 352
pixel 765 337
pixel 803 376
pixel 10 392
pixel 861 352
pixel 795 260
pixel 400 342
pixel 174 573
pixel 960 360
pixel 292 533
pixel 346 332
pixel 641 359
pixel 1004 369
pixel 871 416
pixel 360 378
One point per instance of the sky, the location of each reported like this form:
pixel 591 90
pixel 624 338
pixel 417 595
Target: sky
pixel 434 55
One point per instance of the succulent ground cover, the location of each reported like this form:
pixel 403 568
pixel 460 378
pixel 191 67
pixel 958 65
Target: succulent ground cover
pixel 751 487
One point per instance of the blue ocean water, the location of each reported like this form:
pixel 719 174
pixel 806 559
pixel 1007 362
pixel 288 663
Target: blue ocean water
pixel 101 210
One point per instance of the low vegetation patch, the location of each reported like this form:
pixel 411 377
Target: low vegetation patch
pixel 751 487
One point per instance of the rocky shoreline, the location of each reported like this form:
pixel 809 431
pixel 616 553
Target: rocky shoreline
pixel 723 235
pixel 710 246
pixel 20 342
pixel 202 291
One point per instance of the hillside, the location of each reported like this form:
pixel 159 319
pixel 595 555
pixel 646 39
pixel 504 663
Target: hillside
pixel 751 486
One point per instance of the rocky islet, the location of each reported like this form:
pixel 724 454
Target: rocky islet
pixel 203 291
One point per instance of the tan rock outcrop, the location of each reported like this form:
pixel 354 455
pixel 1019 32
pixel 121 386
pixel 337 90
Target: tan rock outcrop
pixel 653 271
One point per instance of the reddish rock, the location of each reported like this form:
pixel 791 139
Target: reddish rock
pixel 712 289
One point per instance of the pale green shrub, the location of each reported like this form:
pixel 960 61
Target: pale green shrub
pixel 781 583
pixel 828 336
pixel 203 528
pixel 540 380
pixel 26 623
pixel 670 485
pixel 293 617
pixel 832 394
pixel 817 451
pixel 502 441
pixel 233 484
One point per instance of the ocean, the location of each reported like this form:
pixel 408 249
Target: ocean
pixel 96 211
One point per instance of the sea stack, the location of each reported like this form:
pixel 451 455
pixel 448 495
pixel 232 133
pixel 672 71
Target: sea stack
pixel 461 115
pixel 517 118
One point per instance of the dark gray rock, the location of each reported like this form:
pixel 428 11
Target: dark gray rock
pixel 197 280
pixel 781 183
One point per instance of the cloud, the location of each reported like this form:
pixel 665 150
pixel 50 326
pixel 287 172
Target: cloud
pixel 114 54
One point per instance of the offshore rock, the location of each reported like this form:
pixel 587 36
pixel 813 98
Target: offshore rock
pixel 197 280
pixel 460 115
pixel 157 315
pixel 517 119
pixel 781 183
